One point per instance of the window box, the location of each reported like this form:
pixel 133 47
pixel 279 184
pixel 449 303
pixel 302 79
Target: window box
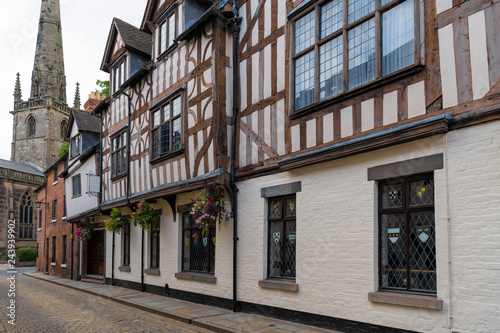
pixel 209 278
pixel 418 301
pixel 286 285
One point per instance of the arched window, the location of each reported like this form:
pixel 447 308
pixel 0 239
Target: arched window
pixel 31 127
pixel 26 217
pixel 64 125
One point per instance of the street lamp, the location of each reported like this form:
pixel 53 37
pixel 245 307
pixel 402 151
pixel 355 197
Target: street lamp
pixel 39 204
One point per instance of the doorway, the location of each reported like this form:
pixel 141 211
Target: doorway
pixel 95 254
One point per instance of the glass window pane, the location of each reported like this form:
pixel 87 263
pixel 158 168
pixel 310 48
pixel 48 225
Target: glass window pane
pixel 304 80
pixel 275 209
pixel 171 29
pixel 165 138
pixel 156 118
pixel 398 38
pixel 393 251
pixel 176 107
pixel 176 134
pixel 195 259
pixel 422 251
pixel 166 112
pixel 304 32
pixel 385 2
pixel 422 192
pixel 331 74
pixel 332 15
pixel 289 250
pixel 392 196
pixel 186 249
pixel 362 54
pixel 290 207
pixel 155 142
pixel 163 37
pixel 276 238
pixel 356 9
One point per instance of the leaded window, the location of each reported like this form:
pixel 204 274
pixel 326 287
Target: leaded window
pixel 31 127
pixel 64 126
pixel 119 154
pixel 119 74
pixel 26 217
pixel 154 250
pixel 282 237
pixel 167 33
pixel 126 244
pixel 198 251
pixel 407 234
pixel 166 128
pixel 54 249
pixel 77 186
pixel 336 50
pixel 76 145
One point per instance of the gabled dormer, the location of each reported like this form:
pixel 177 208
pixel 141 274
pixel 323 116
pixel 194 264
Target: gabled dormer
pixel 82 133
pixel 127 51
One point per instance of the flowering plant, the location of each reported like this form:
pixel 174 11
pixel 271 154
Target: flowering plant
pixel 84 231
pixel 209 208
pixel 144 215
pixel 116 221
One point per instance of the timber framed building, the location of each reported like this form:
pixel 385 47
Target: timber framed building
pixel 360 140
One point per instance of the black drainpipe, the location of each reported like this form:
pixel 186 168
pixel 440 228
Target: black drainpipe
pixel 234 23
pixel 143 286
pixel 128 147
pixel 113 261
pixel 72 241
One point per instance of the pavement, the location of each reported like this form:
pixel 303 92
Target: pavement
pixel 202 316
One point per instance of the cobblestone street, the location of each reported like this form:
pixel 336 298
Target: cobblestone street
pixel 44 307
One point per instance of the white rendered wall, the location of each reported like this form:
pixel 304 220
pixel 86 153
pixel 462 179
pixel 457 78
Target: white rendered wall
pixel 85 202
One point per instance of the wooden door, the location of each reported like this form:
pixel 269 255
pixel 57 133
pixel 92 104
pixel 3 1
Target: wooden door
pixel 95 255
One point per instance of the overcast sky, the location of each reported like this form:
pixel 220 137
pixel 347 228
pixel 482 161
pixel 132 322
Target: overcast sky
pixel 85 28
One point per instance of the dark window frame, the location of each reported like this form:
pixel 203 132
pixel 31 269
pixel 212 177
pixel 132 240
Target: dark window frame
pixel 284 220
pixel 406 209
pixel 163 23
pixel 157 150
pixel 55 174
pixel 54 242
pixel 126 245
pixel 64 250
pixel 118 153
pixel 347 92
pixel 154 247
pixel 40 215
pixel 75 145
pixel 193 230
pixel 119 74
pixel 54 210
pixel 77 190
pixel 31 127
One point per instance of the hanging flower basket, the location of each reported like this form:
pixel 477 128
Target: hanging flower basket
pixel 145 216
pixel 209 208
pixel 84 231
pixel 116 221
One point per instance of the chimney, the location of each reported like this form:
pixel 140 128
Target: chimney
pixel 94 99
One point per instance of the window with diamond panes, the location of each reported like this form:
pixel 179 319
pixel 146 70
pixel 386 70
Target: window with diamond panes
pixel 282 237
pixel 166 128
pixel 154 249
pixel 335 48
pixel 198 251
pixel 407 235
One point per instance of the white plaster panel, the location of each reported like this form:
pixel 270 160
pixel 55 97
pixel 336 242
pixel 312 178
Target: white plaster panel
pixel 443 5
pixel 295 138
pixel 346 122
pixel 267 125
pixel 191 153
pixel 280 63
pixel 255 78
pixel 280 124
pixel 390 106
pixel 267 69
pixel 281 13
pixel 478 55
pixel 311 133
pixel 267 18
pixel 243 85
pixel 169 172
pixel 255 153
pixel 367 115
pixel 447 63
pixel 328 127
pixel 416 99
pixel 243 150
pixel 175 166
pixel 208 113
pixel 244 24
pixel 162 177
pixel 183 169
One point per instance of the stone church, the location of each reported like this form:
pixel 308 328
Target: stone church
pixel 38 131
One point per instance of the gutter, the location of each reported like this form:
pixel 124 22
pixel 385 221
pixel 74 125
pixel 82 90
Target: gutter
pixel 234 23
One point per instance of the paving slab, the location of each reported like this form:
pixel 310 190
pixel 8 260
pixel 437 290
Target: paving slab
pixel 208 317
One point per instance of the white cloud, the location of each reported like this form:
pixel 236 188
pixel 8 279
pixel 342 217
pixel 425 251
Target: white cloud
pixel 85 26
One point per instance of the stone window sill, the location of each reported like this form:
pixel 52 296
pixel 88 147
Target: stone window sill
pixel 54 183
pixel 64 218
pixel 52 264
pixel 417 301
pixel 64 266
pixel 196 277
pixel 54 221
pixel 152 271
pixel 279 285
pixel 124 268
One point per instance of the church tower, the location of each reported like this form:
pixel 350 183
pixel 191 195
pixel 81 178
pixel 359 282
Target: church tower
pixel 40 122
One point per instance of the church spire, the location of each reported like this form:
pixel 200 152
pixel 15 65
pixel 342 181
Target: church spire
pixel 77 103
pixel 48 78
pixel 18 95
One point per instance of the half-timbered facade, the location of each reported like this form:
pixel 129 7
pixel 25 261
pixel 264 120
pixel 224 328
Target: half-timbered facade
pixel 365 158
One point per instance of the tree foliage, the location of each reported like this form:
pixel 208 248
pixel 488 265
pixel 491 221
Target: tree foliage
pixel 103 87
pixel 64 149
